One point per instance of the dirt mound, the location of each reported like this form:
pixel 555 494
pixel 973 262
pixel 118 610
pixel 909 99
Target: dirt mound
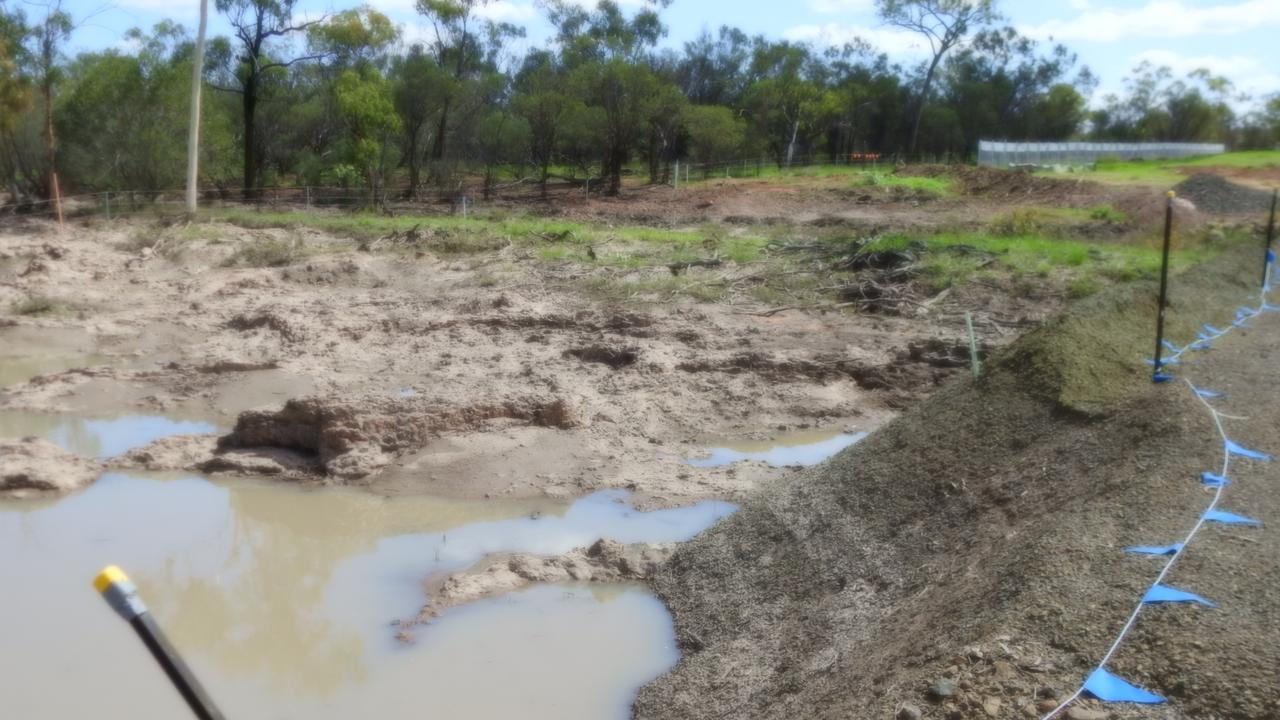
pixel 1002 184
pixel 965 559
pixel 38 467
pixel 355 437
pixel 1213 194
pixel 606 561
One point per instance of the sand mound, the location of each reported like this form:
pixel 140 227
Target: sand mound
pixel 38 467
pixel 965 560
pixel 352 438
pixel 1217 195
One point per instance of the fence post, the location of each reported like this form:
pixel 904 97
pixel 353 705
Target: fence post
pixel 308 193
pixel 1156 375
pixel 974 362
pixel 1267 259
pixel 677 179
pixel 57 199
pixel 108 205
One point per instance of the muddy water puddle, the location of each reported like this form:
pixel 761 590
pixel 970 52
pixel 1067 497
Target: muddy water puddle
pixel 281 598
pixel 98 438
pixel 800 448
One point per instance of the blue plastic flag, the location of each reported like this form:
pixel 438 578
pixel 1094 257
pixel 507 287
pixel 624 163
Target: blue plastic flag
pixel 1212 480
pixel 1213 330
pixel 1227 518
pixel 1170 346
pixel 1271 256
pixel 1154 549
pixel 1109 688
pixel 1165 594
pixel 1246 312
pixel 1161 378
pixel 1235 449
pixel 1200 345
pixel 1268 306
pixel 1207 394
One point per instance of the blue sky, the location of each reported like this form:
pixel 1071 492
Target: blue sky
pixel 1235 38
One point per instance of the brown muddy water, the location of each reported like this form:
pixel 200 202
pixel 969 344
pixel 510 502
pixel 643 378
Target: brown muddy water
pixel 283 599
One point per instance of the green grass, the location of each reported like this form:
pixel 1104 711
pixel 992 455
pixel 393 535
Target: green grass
pixel 266 253
pixel 937 186
pixel 550 240
pixel 34 305
pixel 1165 173
pixel 1040 221
pixel 956 258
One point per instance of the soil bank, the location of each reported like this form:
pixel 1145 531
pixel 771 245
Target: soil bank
pixel 966 559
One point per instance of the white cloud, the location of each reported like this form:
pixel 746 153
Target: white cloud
pixel 504 11
pixel 835 7
pixel 1160 19
pixel 1248 74
pixel 895 42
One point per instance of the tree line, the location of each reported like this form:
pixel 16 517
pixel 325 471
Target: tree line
pixel 346 100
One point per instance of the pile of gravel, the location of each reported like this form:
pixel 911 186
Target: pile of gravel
pixel 1214 194
pixel 964 562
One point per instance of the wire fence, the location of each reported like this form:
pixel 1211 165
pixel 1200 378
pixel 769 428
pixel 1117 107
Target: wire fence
pixel 458 200
pixel 1003 154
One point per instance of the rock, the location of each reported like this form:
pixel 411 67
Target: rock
pixel 909 712
pixel 1003 670
pixel 32 466
pixel 1079 713
pixel 991 706
pixel 943 688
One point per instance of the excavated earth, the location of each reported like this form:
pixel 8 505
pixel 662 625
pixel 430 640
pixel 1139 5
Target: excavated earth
pixel 966 560
pixel 482 375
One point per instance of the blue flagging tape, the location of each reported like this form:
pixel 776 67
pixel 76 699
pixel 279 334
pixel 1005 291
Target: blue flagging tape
pixel 1164 594
pixel 1102 684
pixel 1271 256
pixel 1236 449
pixel 1109 688
pixel 1212 480
pixel 1155 549
pixel 1226 518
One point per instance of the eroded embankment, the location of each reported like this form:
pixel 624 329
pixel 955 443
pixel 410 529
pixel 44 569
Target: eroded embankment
pixel 965 560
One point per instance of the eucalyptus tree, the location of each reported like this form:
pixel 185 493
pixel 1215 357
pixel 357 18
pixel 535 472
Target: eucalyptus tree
pixel 257 24
pixel 465 46
pixel 944 24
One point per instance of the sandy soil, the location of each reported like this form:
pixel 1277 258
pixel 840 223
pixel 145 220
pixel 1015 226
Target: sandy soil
pixel 436 374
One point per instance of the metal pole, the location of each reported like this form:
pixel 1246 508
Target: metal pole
pixel 1271 236
pixel 973 346
pixel 122 595
pixel 193 131
pixel 1164 288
